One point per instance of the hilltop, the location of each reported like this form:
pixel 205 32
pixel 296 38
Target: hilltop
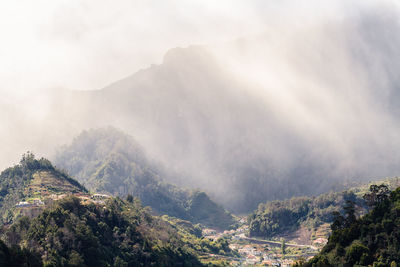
pixel 51 219
pixel 30 185
pixel 108 161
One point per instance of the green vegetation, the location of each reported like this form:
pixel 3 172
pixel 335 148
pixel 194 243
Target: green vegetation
pixel 284 216
pixel 69 232
pixel 117 233
pixel 30 179
pixel 283 247
pixel 15 256
pixel 372 240
pixel 278 217
pixel 191 235
pixel 108 161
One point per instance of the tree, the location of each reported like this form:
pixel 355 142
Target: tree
pixel 118 262
pixel 338 221
pixel 355 252
pixel 129 198
pixel 350 212
pixel 283 246
pixel 378 194
pixel 28 161
pixel 75 259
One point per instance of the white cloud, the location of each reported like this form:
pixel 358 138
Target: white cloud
pixel 88 44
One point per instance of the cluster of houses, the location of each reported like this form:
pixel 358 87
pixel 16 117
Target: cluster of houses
pixel 86 198
pixel 237 234
pixel 251 254
pixel 254 253
pixel 34 203
pixel 260 255
pixel 99 198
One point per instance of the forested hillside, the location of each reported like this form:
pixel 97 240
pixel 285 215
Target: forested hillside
pixel 118 233
pixel 106 160
pixel 281 217
pixel 372 240
pixel 29 181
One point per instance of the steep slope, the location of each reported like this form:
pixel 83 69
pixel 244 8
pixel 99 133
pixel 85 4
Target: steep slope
pixel 290 112
pixel 206 126
pixel 116 233
pixel 106 160
pixel 373 240
pixel 31 184
pixel 285 217
pixel 279 218
pixel 248 121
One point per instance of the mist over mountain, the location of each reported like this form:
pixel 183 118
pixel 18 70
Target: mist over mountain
pixel 108 161
pixel 292 111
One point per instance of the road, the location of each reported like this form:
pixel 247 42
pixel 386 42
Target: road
pixel 276 243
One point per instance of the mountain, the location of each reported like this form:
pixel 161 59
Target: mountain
pixel 30 185
pixel 200 122
pixel 306 214
pixel 115 233
pixel 49 219
pixel 289 112
pixel 372 240
pixel 109 161
pixel 248 121
pixel 308 218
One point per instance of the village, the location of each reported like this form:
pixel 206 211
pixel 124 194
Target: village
pixel 45 188
pixel 85 198
pixel 258 252
pixel 250 251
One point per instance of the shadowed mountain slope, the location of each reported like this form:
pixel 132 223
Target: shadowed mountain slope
pixel 293 111
pixel 109 161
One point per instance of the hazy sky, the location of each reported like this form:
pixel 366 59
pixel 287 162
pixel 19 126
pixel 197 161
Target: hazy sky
pixel 84 44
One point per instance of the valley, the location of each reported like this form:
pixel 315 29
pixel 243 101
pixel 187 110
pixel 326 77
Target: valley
pixel 278 233
pixel 200 133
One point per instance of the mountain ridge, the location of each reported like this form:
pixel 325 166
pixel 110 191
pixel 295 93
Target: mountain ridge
pixel 107 160
pixel 264 114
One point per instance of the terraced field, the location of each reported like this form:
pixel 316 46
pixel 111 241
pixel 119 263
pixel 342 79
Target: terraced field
pixel 46 184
